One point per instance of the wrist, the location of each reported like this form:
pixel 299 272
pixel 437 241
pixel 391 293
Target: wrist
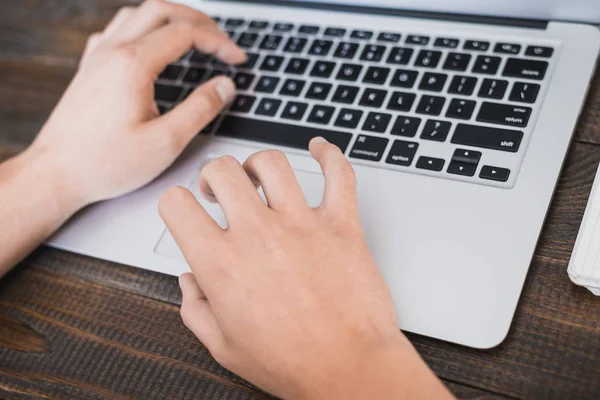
pixel 37 166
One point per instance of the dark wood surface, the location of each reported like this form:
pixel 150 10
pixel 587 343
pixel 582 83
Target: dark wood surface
pixel 76 327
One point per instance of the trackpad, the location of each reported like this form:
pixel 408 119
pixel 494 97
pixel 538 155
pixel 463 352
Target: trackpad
pixel 312 185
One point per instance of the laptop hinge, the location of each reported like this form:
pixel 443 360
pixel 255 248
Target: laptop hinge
pixel 476 19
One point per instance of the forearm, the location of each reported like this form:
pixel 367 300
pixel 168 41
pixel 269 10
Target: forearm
pixel 35 200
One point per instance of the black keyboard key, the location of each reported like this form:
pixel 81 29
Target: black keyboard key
pixel 373 98
pixel 243 80
pixel 428 58
pixel 401 101
pixel 294 110
pixel 372 52
pixel 377 122
pixel 297 66
pixel 402 153
pixel 349 72
pixel 466 156
pixel 271 42
pixel 247 40
pixel 320 47
pixel 464 85
pixel 230 33
pixel 209 127
pixel 447 43
pixel 335 32
pixel 431 105
pixel 295 45
pixel 361 34
pixel 216 63
pixel 292 87
pixel 404 78
pixel 266 84
pixel 251 60
pixel 322 69
pixel 476 45
pixel 220 72
pixel 321 114
pixel 271 63
pixel 418 40
pixel 488 138
pixel 406 126
pixel 216 19
pixel 199 58
pixel 296 136
pixel 400 56
pixel 346 50
pixel 487 65
pixel 308 29
pixel 242 103
pixel 430 163
pixel 376 75
pixel 433 82
pixel 493 89
pixel 494 173
pixel 318 91
pixel 171 73
pixel 526 69
pixel 348 118
pixel 524 92
pixel 345 94
pixel 234 22
pixel 194 75
pixel 436 130
pixel 461 109
pixel 268 107
pixel 507 48
pixel 259 25
pixel 504 114
pixel 464 169
pixel 283 27
pixel 457 61
pixel 167 93
pixel 389 37
pixel 368 148
pixel 539 51
pixel 162 109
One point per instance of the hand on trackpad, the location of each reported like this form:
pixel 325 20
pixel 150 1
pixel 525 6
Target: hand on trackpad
pixel 312 185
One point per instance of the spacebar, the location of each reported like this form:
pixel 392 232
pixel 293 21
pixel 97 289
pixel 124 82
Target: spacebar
pixel 279 134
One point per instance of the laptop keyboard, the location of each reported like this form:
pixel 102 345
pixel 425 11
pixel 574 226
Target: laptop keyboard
pixel 393 100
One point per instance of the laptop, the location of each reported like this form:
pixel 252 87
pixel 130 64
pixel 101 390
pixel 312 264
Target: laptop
pixel 456 115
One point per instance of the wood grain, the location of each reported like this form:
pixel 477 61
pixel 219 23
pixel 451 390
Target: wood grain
pixel 77 327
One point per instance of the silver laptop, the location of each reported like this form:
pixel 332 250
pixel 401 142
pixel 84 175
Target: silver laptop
pixel 456 115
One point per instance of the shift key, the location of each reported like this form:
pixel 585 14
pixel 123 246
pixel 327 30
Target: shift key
pixel 488 138
pixel 504 114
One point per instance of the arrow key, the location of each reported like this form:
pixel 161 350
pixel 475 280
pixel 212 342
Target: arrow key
pixel 494 173
pixel 460 168
pixel 430 163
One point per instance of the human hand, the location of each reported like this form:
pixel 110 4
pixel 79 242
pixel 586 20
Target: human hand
pixel 289 297
pixel 106 136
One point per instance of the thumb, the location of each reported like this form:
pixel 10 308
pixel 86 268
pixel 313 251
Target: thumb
pixel 203 105
pixel 198 316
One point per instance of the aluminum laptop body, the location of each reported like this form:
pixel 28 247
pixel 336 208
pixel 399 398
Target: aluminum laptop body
pixel 452 231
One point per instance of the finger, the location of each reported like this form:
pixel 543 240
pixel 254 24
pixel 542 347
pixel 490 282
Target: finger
pixel 275 174
pixel 226 180
pixel 124 14
pixel 167 44
pixel 92 43
pixel 194 231
pixel 188 118
pixel 153 14
pixel 340 180
pixel 198 315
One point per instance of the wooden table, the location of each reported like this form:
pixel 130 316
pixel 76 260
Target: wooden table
pixel 76 327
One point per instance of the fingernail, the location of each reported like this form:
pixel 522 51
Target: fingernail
pixel 226 89
pixel 319 139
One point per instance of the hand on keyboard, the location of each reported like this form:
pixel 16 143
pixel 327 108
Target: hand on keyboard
pixel 106 135
pixel 288 296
